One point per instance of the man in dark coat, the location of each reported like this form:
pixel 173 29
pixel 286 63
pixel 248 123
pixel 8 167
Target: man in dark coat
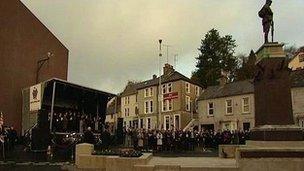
pixel 89 136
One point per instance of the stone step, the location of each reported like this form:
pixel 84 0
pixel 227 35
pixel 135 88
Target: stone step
pixel 183 168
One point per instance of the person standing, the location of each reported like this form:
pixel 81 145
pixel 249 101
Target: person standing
pixel 140 138
pixel 81 123
pixel 159 137
pixel 89 136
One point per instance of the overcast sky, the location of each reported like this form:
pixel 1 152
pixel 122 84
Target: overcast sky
pixel 113 41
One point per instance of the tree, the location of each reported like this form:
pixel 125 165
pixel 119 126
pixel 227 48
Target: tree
pixel 290 51
pixel 216 54
pixel 246 71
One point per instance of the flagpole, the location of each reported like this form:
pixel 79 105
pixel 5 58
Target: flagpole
pixel 159 85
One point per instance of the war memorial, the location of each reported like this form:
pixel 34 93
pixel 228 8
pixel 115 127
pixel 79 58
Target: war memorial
pixel 276 143
pixel 54 124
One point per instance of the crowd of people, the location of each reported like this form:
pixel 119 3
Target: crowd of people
pixel 75 122
pixel 169 140
pixel 8 137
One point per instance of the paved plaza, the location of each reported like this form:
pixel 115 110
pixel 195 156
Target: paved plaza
pixel 194 161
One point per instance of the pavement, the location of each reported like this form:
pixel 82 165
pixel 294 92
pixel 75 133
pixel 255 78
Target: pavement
pixel 214 162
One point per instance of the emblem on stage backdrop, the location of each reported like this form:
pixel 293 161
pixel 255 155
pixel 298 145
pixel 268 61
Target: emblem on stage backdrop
pixel 35 97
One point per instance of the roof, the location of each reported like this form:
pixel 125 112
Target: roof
pixel 174 76
pixel 130 89
pixel 297 78
pixel 245 87
pixel 77 85
pixel 230 89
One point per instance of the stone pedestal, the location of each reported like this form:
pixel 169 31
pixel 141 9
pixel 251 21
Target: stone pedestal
pixel 270 50
pixel 277 133
pixel 276 143
pixel 273 106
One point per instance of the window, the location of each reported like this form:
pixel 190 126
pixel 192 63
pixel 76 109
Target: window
pixel 301 123
pixel 151 91
pixel 169 88
pixel 148 92
pixel 148 126
pixel 148 106
pixel 245 105
pixel 127 111
pixel 111 116
pixel 229 106
pixel 126 100
pixel 177 122
pixel 166 122
pixel 197 93
pixel 246 126
pixel 187 87
pixel 164 104
pixel 151 106
pixel 196 106
pixel 164 89
pixel 210 108
pixel 136 110
pixel 188 103
pixel 170 106
pixel 167 105
pixel 130 123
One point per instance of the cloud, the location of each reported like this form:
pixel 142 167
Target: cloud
pixel 112 41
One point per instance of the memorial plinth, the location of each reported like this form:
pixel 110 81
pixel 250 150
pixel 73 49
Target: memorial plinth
pixel 270 50
pixel 276 143
pixel 273 106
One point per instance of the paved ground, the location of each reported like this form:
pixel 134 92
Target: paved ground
pixel 195 153
pixel 193 161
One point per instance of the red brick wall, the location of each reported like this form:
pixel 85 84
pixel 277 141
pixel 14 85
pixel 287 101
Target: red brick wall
pixel 23 41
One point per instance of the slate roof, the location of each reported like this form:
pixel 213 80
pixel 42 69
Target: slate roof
pixel 174 76
pixel 230 89
pixel 130 89
pixel 297 78
pixel 245 87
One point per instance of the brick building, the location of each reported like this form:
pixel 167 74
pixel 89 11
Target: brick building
pixel 24 40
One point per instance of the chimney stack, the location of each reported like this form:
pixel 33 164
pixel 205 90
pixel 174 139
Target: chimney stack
pixel 224 78
pixel 154 76
pixel 168 69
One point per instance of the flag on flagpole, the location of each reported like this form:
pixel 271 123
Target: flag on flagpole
pixel 1 127
pixel 1 120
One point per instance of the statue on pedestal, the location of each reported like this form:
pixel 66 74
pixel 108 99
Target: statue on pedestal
pixel 267 20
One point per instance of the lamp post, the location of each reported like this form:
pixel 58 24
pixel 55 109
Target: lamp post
pixel 159 85
pixel 40 63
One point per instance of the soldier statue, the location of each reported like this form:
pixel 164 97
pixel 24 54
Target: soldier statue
pixel 267 15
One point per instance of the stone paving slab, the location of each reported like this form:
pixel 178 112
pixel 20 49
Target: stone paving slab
pixel 194 161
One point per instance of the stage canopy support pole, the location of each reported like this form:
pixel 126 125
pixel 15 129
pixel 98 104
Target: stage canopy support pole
pixel 52 106
pixel 97 105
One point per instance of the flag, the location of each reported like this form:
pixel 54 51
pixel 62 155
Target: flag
pixel 1 120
